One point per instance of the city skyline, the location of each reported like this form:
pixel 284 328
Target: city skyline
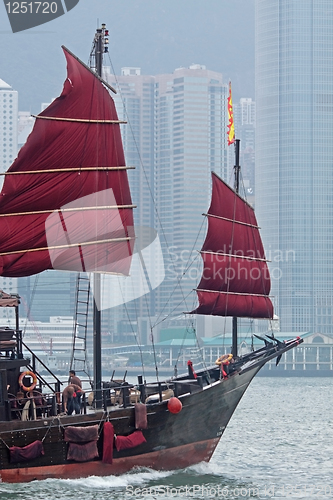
pixel 293 96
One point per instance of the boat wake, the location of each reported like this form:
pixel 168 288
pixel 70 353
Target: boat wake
pixel 136 477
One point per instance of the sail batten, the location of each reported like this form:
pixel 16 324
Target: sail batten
pixel 230 293
pixel 78 120
pixel 77 209
pixel 235 256
pixel 235 279
pixel 69 169
pixel 233 221
pixel 69 245
pixel 66 180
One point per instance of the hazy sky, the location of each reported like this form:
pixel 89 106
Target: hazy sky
pixel 156 35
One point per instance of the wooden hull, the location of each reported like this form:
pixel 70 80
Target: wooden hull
pixel 183 456
pixel 173 441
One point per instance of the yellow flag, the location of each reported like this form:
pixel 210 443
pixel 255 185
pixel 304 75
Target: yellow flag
pixel 231 126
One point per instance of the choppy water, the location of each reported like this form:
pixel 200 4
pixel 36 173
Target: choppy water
pixel 279 444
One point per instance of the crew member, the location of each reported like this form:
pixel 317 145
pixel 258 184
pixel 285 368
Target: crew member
pixel 224 362
pixel 71 399
pixel 73 379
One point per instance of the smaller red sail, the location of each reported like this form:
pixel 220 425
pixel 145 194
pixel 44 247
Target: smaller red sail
pixel 65 203
pixel 235 279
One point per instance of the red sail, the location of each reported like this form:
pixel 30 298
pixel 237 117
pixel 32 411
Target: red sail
pixel 235 279
pixel 65 202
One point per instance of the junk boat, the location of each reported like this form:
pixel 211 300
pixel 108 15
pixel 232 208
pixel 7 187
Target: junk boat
pixel 66 204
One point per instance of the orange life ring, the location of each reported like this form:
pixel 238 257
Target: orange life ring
pixel 34 380
pixel 224 359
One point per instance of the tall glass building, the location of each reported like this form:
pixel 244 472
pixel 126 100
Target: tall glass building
pixel 8 152
pixel 8 119
pixel 190 142
pixel 177 129
pixel 294 157
pixel 135 105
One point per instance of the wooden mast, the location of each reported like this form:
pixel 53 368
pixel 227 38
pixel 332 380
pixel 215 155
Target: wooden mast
pixel 234 349
pixel 98 50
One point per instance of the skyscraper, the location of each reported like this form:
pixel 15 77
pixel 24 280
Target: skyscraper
pixel 245 121
pixel 294 157
pixel 191 142
pixel 135 105
pixel 177 131
pixel 8 119
pixel 8 152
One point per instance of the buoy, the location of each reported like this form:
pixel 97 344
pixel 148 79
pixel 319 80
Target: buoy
pixel 174 405
pixel 28 374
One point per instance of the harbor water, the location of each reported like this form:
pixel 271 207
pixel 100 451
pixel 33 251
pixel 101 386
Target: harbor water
pixel 279 444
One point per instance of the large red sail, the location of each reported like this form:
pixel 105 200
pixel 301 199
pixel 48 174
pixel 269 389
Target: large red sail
pixel 66 203
pixel 235 279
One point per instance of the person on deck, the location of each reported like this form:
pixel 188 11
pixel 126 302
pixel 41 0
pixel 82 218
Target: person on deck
pixel 73 379
pixel 224 361
pixel 71 399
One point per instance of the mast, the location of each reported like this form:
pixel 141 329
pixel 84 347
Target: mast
pixel 236 187
pixel 98 49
